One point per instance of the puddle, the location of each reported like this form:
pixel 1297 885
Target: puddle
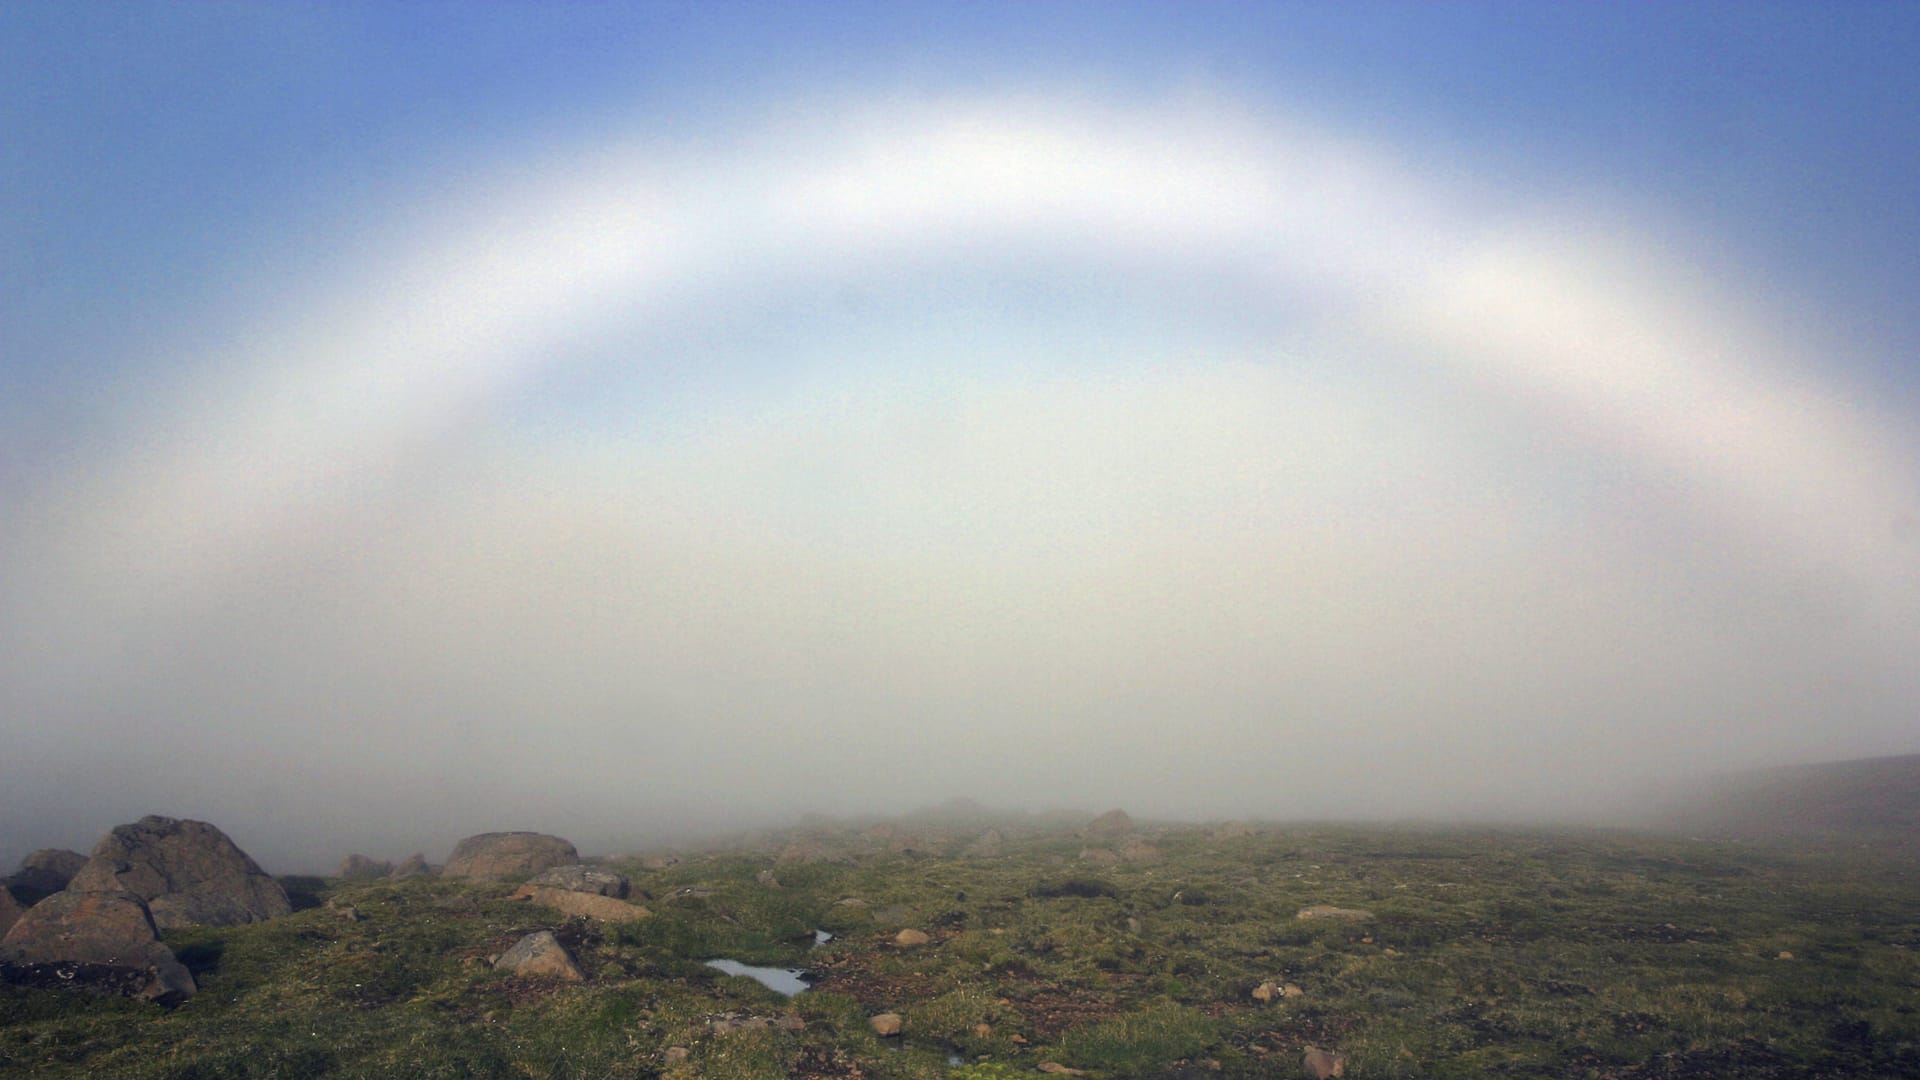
pixel 787 981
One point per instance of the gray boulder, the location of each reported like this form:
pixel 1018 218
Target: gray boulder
pixel 414 866
pixel 10 910
pixel 540 953
pixel 188 873
pixel 582 878
pixel 357 867
pixel 494 856
pixel 46 871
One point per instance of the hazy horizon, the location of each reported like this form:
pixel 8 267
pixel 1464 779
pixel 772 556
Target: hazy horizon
pixel 418 420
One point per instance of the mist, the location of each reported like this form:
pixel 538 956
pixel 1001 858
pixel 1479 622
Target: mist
pixel 1186 453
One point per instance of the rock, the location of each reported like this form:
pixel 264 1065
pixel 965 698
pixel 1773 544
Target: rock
pixel 1291 991
pixel 582 905
pixel 659 862
pixel 112 929
pixel 767 878
pixel 10 910
pixel 361 868
pixel 909 938
pixel 46 871
pixel 988 846
pixel 1328 911
pixel 540 953
pixel 885 1025
pixel 982 1031
pixel 676 1055
pixel 414 865
pixel 1138 850
pixel 188 873
pixel 1058 1069
pixel 1322 1064
pixel 1111 825
pixel 493 856
pixel 1784 955
pixel 582 878
pixel 1266 991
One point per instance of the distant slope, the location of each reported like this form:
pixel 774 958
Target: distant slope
pixel 1869 799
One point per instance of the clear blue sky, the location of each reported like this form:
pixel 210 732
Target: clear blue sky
pixel 390 376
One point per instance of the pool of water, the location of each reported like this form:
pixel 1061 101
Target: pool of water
pixel 787 981
pixel 779 980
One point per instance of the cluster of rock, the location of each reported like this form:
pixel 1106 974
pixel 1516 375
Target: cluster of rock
pixel 104 922
pixel 357 867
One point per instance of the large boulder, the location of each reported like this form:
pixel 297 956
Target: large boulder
pixel 582 878
pixel 493 856
pixel 414 865
pixel 1111 825
pixel 187 872
pixel 10 910
pixel 105 929
pixel 357 867
pixel 46 871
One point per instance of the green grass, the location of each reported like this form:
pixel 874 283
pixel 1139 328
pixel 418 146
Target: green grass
pixel 1488 954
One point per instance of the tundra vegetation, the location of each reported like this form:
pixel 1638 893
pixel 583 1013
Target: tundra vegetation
pixel 1176 951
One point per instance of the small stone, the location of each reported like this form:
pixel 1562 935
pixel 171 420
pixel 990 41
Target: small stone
pixel 1265 991
pixel 1328 911
pixel 540 953
pixel 1291 991
pixel 907 938
pixel 885 1025
pixel 1322 1064
pixel 982 1031
pixel 1784 955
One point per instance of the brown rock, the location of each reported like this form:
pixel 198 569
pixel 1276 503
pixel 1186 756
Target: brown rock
pixel 1291 991
pixel 582 878
pixel 112 929
pixel 361 868
pixel 414 865
pixel 908 938
pixel 1322 1064
pixel 885 1025
pixel 982 1031
pixel 187 872
pixel 1328 911
pixel 540 953
pixel 1111 825
pixel 494 856
pixel 580 904
pixel 46 871
pixel 1266 991
pixel 1058 1069
pixel 988 846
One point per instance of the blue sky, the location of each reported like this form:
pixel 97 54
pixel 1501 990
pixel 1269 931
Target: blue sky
pixel 735 389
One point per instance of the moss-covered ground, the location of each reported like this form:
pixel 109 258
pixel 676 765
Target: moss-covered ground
pixel 1487 953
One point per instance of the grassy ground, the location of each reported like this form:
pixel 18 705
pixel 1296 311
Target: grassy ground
pixel 1487 953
